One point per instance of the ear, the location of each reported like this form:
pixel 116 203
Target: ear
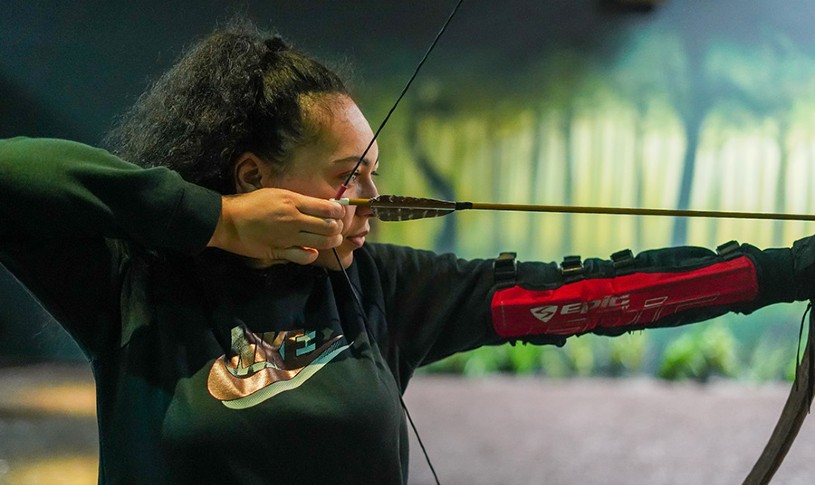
pixel 249 172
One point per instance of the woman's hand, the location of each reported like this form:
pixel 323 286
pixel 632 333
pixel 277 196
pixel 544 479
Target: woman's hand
pixel 276 226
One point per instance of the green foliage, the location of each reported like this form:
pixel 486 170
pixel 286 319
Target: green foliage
pixel 771 361
pixel 702 353
pixel 580 356
pixel 627 354
pixel 583 357
pixel 758 347
pixel 478 362
pixel 526 359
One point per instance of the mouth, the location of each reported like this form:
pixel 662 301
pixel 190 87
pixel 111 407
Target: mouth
pixel 357 240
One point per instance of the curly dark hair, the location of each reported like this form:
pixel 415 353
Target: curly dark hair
pixel 237 90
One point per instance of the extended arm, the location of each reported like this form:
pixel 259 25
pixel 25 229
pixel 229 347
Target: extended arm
pixel 657 288
pixel 438 305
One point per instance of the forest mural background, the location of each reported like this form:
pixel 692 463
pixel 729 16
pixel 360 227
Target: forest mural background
pixel 693 104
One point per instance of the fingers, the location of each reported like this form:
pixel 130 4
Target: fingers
pixel 297 255
pixel 323 227
pixel 324 209
pixel 322 217
pixel 318 241
pixel 278 225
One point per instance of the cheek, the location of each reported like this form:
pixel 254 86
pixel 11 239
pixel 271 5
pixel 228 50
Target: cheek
pixel 307 182
pixel 348 219
pixel 311 189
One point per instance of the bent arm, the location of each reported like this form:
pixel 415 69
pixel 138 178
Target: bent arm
pixel 64 205
pixel 56 189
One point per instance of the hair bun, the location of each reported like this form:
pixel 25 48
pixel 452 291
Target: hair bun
pixel 275 44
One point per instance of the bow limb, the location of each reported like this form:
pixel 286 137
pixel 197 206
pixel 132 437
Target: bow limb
pixel 792 417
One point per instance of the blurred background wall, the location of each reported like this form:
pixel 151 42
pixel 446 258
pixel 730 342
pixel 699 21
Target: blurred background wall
pixel 690 104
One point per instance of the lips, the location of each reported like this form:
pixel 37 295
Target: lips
pixel 357 240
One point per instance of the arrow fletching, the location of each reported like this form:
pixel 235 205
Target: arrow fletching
pixel 403 208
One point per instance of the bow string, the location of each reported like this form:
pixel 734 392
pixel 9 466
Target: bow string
pixel 344 187
pixel 401 208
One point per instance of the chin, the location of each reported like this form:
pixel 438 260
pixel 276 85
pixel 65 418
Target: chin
pixel 328 260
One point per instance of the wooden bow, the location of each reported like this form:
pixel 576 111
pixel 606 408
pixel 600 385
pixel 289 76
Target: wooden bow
pixel 792 415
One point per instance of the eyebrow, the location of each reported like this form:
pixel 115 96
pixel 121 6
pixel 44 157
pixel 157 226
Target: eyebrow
pixel 354 159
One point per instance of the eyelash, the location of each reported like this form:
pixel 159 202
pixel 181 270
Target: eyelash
pixel 358 173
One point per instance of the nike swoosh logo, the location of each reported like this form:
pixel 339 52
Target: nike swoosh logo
pixel 278 365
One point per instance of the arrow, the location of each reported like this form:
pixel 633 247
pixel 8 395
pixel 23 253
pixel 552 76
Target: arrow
pixel 403 208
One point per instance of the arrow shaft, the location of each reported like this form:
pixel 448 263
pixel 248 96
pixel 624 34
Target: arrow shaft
pixel 564 209
pixel 640 211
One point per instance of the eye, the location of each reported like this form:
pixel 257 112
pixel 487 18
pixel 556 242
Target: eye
pixel 347 177
pixel 353 178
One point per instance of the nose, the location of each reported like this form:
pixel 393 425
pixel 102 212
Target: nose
pixel 366 190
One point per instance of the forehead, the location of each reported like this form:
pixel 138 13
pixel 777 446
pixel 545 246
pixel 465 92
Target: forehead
pixel 338 132
pixel 340 127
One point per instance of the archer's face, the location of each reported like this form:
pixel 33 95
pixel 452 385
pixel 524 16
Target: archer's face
pixel 318 167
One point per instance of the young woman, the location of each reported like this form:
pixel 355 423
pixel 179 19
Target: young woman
pixel 257 360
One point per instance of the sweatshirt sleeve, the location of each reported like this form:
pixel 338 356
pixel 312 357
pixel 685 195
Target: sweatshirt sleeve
pixel 438 305
pixel 56 189
pixel 67 214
